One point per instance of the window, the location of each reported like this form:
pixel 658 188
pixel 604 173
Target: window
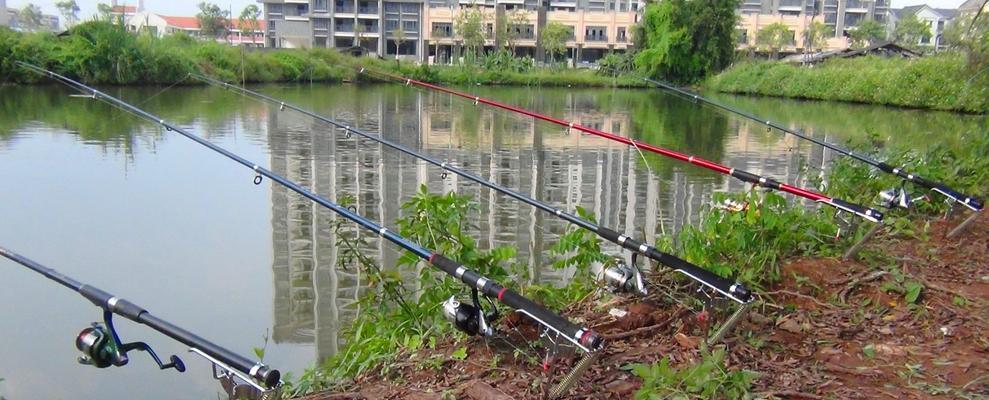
pixel 621 34
pixel 320 5
pixel 442 29
pixel 595 34
pixel 410 26
pixel 742 35
pixel 410 8
pixel 571 36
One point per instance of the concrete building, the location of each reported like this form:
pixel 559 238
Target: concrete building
pixel 936 18
pixel 599 26
pixel 161 25
pixel 4 15
pixel 841 17
pixel 13 20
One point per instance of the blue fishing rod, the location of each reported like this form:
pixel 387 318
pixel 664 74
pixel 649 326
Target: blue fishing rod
pixel 102 347
pixel 473 319
pixel 896 197
pixel 621 277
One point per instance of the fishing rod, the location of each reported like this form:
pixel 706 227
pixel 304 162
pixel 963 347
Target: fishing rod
pixel 866 213
pixel 472 319
pixel 896 197
pixel 622 277
pixel 102 347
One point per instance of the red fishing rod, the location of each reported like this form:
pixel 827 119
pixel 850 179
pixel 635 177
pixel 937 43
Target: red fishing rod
pixel 867 213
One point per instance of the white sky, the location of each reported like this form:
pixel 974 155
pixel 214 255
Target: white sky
pixel 188 7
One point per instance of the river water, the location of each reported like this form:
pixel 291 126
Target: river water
pixel 160 220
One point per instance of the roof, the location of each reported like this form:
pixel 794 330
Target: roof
pixel 181 22
pixel 946 13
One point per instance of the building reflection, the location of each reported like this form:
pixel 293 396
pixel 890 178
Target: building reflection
pixel 314 298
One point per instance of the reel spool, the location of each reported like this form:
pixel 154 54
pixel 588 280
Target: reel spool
pixel 469 318
pixel 624 278
pixel 101 347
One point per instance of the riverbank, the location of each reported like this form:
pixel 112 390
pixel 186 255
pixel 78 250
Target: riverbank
pixel 831 328
pixel 906 319
pixel 101 53
pixel 941 82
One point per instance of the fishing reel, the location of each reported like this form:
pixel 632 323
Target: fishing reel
pixel 101 347
pixel 624 278
pixel 470 318
pixel 897 197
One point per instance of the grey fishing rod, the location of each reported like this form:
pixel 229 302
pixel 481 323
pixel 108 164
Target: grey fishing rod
pixel 472 319
pixel 102 347
pixel 622 277
pixel 890 198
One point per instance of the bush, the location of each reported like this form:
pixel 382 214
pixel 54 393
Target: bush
pixel 937 82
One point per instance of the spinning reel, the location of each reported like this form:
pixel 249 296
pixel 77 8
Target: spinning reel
pixel 470 318
pixel 897 197
pixel 101 347
pixel 624 278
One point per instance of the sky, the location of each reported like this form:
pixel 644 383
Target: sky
pixel 189 8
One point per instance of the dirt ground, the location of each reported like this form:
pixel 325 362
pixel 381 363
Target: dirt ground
pixel 831 329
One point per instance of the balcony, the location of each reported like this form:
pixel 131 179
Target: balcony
pixel 857 6
pixel 596 38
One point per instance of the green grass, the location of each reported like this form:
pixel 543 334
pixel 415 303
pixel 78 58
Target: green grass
pixel 101 53
pixel 939 82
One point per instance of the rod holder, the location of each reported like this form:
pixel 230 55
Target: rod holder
pixel 964 225
pixel 730 323
pixel 852 251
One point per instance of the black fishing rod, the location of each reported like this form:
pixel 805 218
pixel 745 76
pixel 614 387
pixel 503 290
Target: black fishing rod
pixel 102 347
pixel 890 198
pixel 472 319
pixel 622 277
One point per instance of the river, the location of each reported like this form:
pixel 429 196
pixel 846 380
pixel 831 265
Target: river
pixel 160 220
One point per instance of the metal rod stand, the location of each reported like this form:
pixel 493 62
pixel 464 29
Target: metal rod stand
pixel 852 251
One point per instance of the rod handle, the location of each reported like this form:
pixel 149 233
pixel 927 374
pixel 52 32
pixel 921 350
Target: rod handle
pixel 865 212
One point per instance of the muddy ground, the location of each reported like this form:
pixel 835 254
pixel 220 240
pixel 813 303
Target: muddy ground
pixel 831 329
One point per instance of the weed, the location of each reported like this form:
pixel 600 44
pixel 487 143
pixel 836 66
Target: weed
pixel 707 379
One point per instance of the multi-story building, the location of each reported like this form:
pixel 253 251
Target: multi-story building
pixel 427 28
pixel 239 34
pixel 4 15
pixel 840 16
pixel 935 18
pixel 45 23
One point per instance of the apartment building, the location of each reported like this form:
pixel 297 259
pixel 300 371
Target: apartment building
pixel 937 19
pixel 840 16
pixel 45 22
pixel 427 27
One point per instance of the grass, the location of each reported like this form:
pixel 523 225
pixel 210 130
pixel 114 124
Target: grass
pixel 940 82
pixel 102 53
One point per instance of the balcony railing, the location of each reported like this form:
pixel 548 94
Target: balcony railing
pixel 345 10
pixel 367 10
pixel 596 38
pixel 856 4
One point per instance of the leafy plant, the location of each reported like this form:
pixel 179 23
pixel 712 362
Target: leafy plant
pixel 686 40
pixel 707 379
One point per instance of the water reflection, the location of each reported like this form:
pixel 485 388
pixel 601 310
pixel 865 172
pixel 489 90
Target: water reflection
pixel 639 197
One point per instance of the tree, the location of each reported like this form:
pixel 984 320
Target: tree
pixel 69 10
pixel 867 33
pixel 249 20
pixel 773 38
pixel 398 36
pixel 910 31
pixel 437 33
pixel 104 12
pixel 554 37
pixel 212 20
pixel 514 24
pixel 685 40
pixel 816 35
pixel 469 25
pixel 30 18
pixel 359 34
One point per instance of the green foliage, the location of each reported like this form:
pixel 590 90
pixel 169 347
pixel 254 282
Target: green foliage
pixel 816 35
pixel 213 20
pixel 774 37
pixel 686 40
pixel 469 26
pixel 910 31
pixel 708 379
pixel 751 244
pixel 503 60
pixel 69 11
pixel 941 82
pixel 554 37
pixel 579 248
pixel 617 64
pixel 869 32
